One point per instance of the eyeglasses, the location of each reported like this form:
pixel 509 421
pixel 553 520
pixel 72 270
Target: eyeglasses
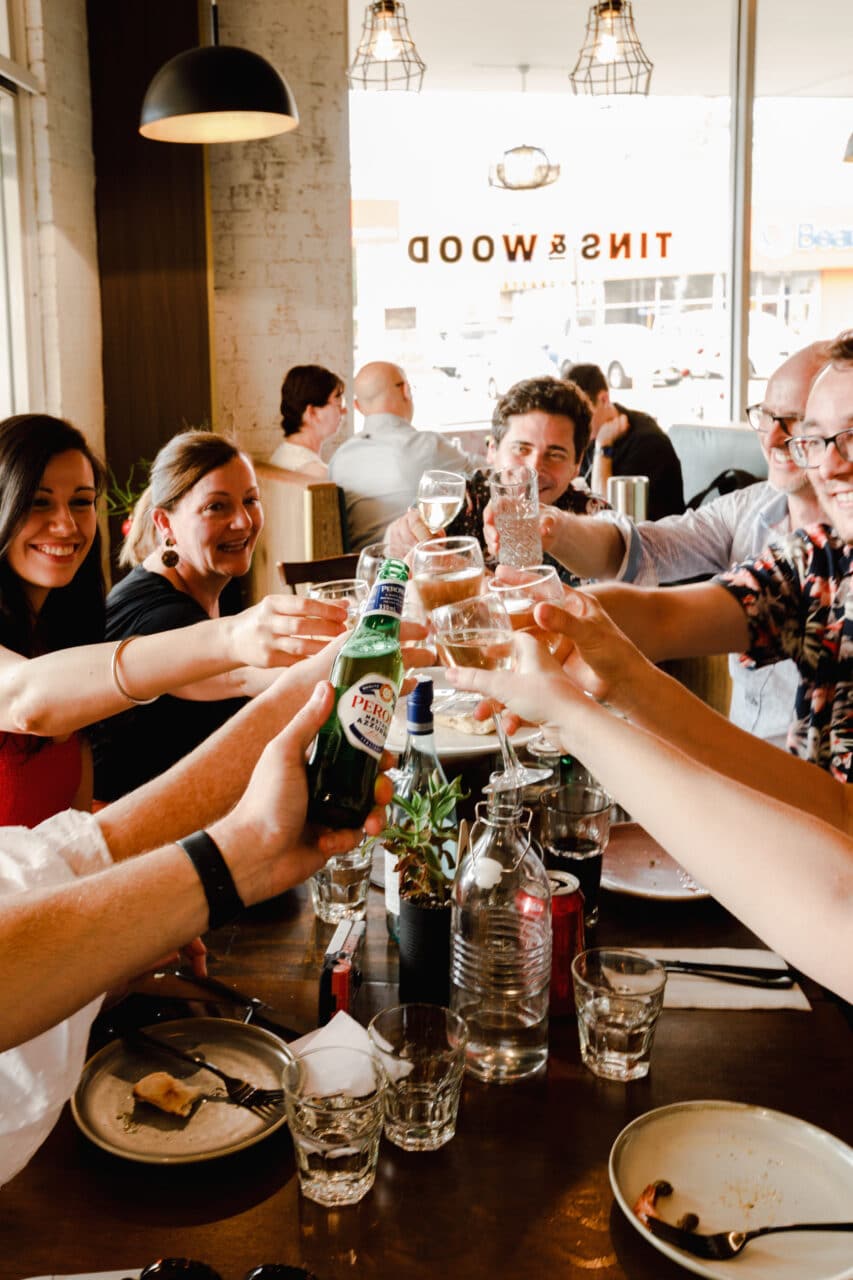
pixel 809 451
pixel 761 419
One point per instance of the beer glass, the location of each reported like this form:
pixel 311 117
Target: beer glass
pixel 514 496
pixel 440 498
pixel 478 633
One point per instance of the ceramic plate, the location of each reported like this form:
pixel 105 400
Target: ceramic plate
pixel 449 742
pixel 106 1111
pixel 739 1166
pixel 636 864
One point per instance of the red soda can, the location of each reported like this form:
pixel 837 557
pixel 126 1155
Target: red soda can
pixel 567 939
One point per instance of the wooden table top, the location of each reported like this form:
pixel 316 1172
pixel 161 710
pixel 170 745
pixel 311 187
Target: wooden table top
pixel 521 1191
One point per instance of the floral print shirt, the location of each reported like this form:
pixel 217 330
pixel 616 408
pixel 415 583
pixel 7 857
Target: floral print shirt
pixel 797 599
pixel 469 522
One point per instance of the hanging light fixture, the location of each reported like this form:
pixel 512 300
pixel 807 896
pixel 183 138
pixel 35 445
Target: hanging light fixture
pixel 386 57
pixel 612 59
pixel 217 93
pixel 523 168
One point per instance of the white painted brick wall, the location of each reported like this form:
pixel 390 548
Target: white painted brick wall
pixel 64 282
pixel 282 263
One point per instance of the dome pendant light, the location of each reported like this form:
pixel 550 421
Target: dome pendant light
pixel 612 59
pixel 217 93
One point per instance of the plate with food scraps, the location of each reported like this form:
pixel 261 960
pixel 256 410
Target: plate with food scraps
pixel 736 1167
pixel 457 733
pixel 109 1114
pixel 634 863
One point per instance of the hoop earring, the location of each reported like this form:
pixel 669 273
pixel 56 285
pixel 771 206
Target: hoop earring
pixel 169 557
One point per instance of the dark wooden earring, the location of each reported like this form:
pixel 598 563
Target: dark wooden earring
pixel 169 557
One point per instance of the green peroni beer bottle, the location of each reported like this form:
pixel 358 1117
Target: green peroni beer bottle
pixel 367 676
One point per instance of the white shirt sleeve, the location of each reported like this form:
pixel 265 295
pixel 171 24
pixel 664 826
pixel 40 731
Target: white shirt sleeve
pixel 38 1077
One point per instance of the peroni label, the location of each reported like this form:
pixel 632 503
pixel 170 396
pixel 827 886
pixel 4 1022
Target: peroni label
pixel 365 711
pixel 387 599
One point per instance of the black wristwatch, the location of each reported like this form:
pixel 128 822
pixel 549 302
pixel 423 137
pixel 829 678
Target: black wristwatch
pixel 223 900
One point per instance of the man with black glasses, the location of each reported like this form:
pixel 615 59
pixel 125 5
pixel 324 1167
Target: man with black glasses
pixel 792 601
pixel 732 528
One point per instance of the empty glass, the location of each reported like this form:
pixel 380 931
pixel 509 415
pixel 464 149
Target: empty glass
pixel 352 592
pixel 422 1048
pixel 370 561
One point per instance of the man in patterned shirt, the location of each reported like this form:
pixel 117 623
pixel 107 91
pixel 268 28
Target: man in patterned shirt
pixel 791 601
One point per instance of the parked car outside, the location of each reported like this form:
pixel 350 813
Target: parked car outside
pixel 626 353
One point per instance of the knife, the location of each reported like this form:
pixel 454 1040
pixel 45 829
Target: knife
pixel 257 1010
pixel 743 974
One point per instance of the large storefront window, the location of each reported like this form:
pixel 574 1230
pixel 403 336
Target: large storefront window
pixel 15 80
pixel 622 261
pixel 802 226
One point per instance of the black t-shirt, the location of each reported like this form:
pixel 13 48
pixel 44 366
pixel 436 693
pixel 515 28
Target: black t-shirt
pixel 646 450
pixel 141 743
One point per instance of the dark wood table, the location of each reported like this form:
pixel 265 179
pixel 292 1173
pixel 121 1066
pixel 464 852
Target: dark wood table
pixel 521 1191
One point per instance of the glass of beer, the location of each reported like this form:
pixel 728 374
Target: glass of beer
pixel 521 590
pixel 478 633
pixel 446 570
pixel 440 498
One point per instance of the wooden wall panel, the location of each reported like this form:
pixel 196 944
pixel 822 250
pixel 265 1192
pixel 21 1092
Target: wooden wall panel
pixel 153 236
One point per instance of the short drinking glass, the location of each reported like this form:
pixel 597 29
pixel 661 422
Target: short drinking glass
pixel 422 1048
pixel 514 497
pixel 334 1109
pixel 339 888
pixel 618 997
pixel 575 829
pixel 352 592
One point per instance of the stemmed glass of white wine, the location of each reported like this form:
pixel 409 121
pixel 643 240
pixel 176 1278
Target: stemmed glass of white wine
pixel 440 498
pixel 520 590
pixel 478 633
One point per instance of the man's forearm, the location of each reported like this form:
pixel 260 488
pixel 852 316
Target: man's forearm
pixel 207 782
pixel 677 622
pixel 591 548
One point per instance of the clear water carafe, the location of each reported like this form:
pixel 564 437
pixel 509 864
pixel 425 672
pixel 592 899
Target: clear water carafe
pixel 500 958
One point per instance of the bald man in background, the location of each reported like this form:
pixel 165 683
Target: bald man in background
pixel 379 469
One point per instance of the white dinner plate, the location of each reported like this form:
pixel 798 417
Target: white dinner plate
pixel 449 743
pixel 739 1167
pixel 106 1111
pixel 637 865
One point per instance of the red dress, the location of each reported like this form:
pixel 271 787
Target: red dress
pixel 35 784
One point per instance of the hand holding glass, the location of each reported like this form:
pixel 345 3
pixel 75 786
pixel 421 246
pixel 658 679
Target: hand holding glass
pixel 440 498
pixel 352 592
pixel 521 590
pixel 514 495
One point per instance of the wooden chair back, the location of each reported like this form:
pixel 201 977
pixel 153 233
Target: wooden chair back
pixel 302 521
pixel 300 573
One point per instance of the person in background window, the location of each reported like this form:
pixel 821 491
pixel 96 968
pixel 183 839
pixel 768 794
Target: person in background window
pixel 203 511
pixel 56 673
pixel 626 442
pixel 312 410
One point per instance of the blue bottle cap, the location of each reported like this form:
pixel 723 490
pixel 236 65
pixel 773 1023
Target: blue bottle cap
pixel 419 707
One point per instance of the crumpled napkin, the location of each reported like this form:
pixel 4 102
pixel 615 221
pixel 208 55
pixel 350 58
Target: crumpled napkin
pixel 345 1073
pixel 690 991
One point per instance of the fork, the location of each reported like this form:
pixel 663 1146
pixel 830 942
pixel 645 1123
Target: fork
pixel 239 1091
pixel 728 1244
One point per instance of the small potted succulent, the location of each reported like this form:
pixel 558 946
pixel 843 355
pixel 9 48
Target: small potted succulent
pixel 423 835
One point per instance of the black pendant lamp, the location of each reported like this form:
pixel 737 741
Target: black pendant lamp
pixel 217 93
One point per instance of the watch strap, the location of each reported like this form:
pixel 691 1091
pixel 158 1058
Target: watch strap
pixel 223 900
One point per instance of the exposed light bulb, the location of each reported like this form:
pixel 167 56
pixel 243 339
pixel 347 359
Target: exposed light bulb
pixel 385 47
pixel 607 49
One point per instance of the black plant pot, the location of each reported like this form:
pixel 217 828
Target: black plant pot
pixel 424 952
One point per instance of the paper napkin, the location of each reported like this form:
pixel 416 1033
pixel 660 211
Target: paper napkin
pixel 690 991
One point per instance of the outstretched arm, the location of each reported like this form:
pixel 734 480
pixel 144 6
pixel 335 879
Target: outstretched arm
pixel 676 622
pixel 61 947
pixel 734 838
pixel 59 692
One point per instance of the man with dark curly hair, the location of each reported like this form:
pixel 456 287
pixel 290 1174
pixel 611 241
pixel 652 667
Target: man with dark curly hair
pixel 543 423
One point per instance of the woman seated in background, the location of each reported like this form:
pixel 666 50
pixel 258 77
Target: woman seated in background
pixel 56 673
pixel 312 409
pixel 768 834
pixel 193 532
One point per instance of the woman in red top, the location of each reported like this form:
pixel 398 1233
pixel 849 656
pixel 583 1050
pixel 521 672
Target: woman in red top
pixel 56 674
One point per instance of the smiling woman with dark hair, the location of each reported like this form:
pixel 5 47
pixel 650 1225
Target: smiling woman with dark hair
pixel 56 674
pixel 312 409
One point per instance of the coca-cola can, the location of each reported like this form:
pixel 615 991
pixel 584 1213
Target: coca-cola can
pixel 567 931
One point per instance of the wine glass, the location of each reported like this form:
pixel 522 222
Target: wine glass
pixel 478 633
pixel 370 561
pixel 520 590
pixel 440 498
pixel 445 570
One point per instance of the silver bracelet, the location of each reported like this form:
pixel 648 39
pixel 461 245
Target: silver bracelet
pixel 139 702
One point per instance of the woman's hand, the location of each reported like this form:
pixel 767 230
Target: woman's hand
pixel 282 630
pixel 533 692
pixel 595 655
pixel 264 839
